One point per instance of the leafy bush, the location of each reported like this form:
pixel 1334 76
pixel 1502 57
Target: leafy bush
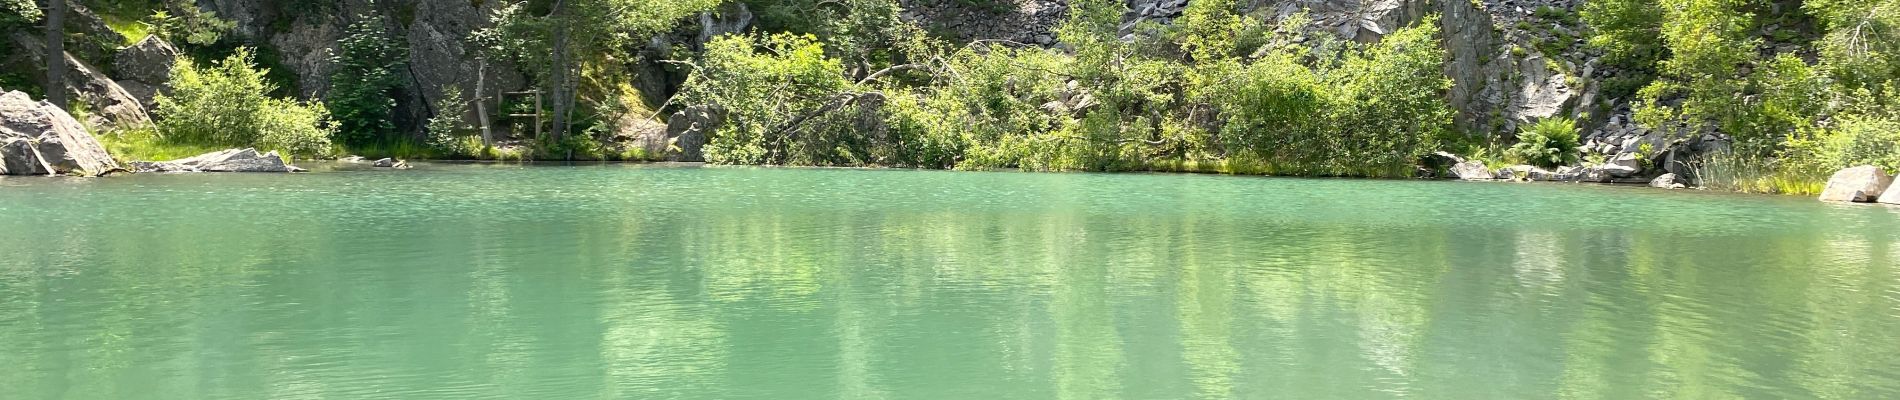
pixel 1364 111
pixel 1549 143
pixel 365 84
pixel 18 12
pixel 1858 141
pixel 226 104
pixel 183 23
pixel 764 93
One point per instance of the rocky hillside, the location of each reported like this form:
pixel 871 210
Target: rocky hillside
pixel 1511 61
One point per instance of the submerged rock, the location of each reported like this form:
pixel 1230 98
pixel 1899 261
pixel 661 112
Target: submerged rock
pixel 231 160
pixel 43 134
pixel 1862 184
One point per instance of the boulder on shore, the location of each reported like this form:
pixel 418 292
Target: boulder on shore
pixel 57 143
pixel 18 157
pixel 689 129
pixel 231 160
pixel 1666 181
pixel 390 163
pixel 1862 184
pixel 1472 171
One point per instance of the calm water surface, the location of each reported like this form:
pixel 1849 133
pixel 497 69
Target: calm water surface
pixel 455 282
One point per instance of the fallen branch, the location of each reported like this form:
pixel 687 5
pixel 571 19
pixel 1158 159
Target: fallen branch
pixel 887 71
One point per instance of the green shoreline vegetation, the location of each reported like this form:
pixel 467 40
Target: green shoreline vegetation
pixel 1215 91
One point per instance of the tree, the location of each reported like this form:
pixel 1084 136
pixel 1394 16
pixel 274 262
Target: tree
pixel 365 83
pixel 553 46
pixel 56 52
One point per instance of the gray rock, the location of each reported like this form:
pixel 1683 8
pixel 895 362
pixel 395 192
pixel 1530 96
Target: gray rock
pixel 1666 181
pixel 146 94
pixel 230 160
pixel 57 141
pixel 384 163
pixel 1568 173
pixel 1472 171
pixel 148 61
pixel 18 157
pixel 1862 184
pixel 111 105
pixel 1517 173
pixel 1624 165
pixel 1608 172
pixel 689 128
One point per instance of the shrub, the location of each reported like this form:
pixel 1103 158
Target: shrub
pixel 1549 143
pixel 183 23
pixel 1858 141
pixel 226 104
pixel 764 93
pixel 18 12
pixel 447 130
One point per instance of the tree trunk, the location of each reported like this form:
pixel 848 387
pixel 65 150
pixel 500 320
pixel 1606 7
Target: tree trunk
pixel 481 106
pixel 560 70
pixel 56 52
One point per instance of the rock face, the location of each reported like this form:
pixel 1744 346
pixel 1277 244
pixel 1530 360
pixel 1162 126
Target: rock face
pixel 232 160
pixel 41 139
pixel 110 104
pixel 658 81
pixel 1022 21
pixel 1861 184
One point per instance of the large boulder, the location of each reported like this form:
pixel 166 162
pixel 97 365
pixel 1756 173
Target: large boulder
pixel 57 141
pixel 1666 181
pixel 1473 171
pixel 1862 184
pixel 231 160
pixel 1608 172
pixel 689 128
pixel 144 69
pixel 148 61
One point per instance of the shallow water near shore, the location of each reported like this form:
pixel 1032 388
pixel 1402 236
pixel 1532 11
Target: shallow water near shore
pixel 460 281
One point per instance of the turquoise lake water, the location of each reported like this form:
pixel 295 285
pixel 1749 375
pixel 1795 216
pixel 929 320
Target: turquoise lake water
pixel 655 282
